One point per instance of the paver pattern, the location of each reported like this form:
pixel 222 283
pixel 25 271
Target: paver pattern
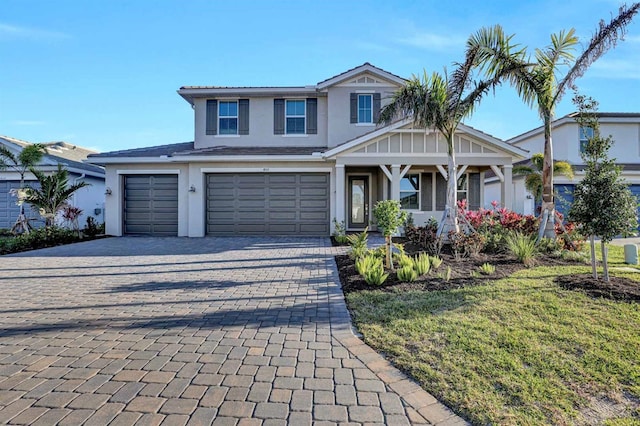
pixel 148 331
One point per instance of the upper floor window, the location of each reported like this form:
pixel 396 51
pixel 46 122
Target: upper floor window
pixel 228 116
pixel 295 117
pixel 586 133
pixel 410 192
pixel 365 108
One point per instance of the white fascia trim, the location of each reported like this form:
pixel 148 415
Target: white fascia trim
pixel 362 69
pixel 86 172
pixel 148 172
pixel 252 158
pixel 128 160
pixel 266 170
pixel 190 94
pixel 366 138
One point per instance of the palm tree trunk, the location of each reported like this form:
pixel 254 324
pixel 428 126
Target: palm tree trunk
pixel 547 181
pixel 451 219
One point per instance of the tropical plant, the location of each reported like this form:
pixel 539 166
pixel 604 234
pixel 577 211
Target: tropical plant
pixel 441 101
pixel 389 217
pixel 376 275
pixel 522 246
pixel 403 260
pixel 407 274
pixel 339 232
pixel 533 174
pixel 365 263
pixel 436 261
pixel 358 243
pixel 53 194
pixel 426 237
pixel 26 159
pixel 445 275
pixel 602 203
pixel 540 84
pixel 422 264
pixel 487 269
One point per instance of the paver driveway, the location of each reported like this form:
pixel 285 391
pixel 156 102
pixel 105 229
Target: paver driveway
pixel 175 330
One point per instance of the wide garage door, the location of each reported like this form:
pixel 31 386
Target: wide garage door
pixel 151 204
pixel 268 204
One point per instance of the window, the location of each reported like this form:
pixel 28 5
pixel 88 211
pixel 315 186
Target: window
pixel 586 133
pixel 410 192
pixel 365 108
pixel 295 117
pixel 228 117
pixel 463 187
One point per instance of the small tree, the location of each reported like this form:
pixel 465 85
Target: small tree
pixel 389 217
pixel 21 163
pixel 602 201
pixel 53 194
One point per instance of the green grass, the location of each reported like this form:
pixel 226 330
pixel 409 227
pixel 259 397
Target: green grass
pixel 518 351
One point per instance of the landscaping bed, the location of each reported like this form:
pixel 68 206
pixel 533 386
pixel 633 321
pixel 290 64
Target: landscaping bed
pixel 543 344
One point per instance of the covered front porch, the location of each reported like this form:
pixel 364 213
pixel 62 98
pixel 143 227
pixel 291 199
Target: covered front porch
pixel 410 165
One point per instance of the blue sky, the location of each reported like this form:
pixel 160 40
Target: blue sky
pixel 104 74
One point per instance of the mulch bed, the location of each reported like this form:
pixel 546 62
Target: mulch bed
pixel 618 288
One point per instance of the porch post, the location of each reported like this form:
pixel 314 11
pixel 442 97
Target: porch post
pixel 507 187
pixel 340 192
pixel 395 182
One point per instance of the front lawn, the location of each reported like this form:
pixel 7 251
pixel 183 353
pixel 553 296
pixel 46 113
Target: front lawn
pixel 519 350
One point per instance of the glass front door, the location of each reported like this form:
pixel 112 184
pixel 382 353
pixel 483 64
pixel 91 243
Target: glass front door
pixel 358 202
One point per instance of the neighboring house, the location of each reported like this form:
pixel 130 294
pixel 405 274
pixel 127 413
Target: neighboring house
pixel 568 140
pixel 289 160
pixel 90 199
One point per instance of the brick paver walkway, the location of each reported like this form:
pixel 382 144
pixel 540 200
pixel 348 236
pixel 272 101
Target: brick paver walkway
pixel 145 331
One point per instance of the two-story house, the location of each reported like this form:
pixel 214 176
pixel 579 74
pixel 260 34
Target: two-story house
pixel 568 141
pixel 290 160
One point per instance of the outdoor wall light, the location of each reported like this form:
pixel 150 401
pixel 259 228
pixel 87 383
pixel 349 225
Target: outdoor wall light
pixel 192 188
pixel 107 191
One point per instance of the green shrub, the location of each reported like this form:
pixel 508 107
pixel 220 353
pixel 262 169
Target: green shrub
pixel 38 238
pixel 422 264
pixel 522 246
pixel 466 245
pixel 92 228
pixel 425 237
pixel 487 269
pixel 402 260
pixel 407 274
pixel 550 245
pixel 367 263
pixel 358 243
pixel 435 261
pixel 379 252
pixel 376 276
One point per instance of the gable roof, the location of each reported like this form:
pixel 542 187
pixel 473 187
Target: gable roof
pixel 609 117
pixel 69 155
pixel 366 67
pixel 463 128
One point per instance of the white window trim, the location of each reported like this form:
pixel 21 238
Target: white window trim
pixel 304 116
pixel 419 191
pixel 220 117
pixel 368 123
pixel 586 139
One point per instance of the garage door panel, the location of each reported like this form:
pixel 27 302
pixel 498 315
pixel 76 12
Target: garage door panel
pixel 272 204
pixel 151 204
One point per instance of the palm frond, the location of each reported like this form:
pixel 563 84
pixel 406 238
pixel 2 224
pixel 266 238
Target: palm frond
pixel 563 168
pixel 523 170
pixel 7 158
pixel 605 37
pixel 533 183
pixel 537 160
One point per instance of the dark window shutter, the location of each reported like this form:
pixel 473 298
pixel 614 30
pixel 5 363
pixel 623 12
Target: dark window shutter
pixel 278 116
pixel 376 107
pixel 243 116
pixel 312 116
pixel 212 117
pixel 354 108
pixel 426 189
pixel 474 191
pixel 441 192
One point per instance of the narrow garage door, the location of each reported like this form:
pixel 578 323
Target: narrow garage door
pixel 268 204
pixel 151 204
pixel 9 210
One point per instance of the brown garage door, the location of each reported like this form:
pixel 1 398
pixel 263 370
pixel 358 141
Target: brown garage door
pixel 268 204
pixel 151 204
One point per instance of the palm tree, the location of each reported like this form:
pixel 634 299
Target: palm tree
pixel 53 194
pixel 441 101
pixel 541 84
pixel 533 174
pixel 28 157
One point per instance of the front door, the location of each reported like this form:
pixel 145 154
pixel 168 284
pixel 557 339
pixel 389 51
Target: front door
pixel 358 202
